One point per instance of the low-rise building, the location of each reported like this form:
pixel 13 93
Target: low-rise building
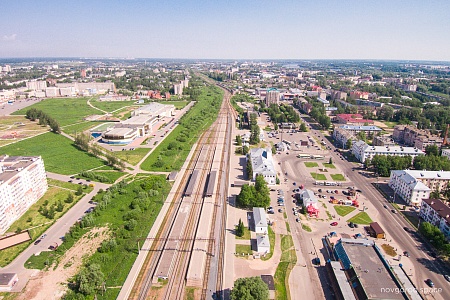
pixel 260 218
pixel 352 119
pixel 262 243
pixel 361 150
pixel 262 163
pixel 22 182
pixel 412 136
pixel 342 136
pixel 437 213
pixel 309 202
pixel 383 140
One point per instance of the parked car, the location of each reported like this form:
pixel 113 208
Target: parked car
pixel 351 225
pixel 280 210
pixel 429 282
pixel 334 224
pixel 297 220
pixel 406 253
pixel 385 206
pixel 447 277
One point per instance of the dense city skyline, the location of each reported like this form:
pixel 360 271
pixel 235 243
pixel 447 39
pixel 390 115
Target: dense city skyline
pixel 406 30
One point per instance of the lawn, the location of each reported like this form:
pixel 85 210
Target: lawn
pixel 390 124
pixel 306 228
pixel 343 210
pixel 58 152
pixel 103 176
pixel 329 166
pixel 64 110
pixel 73 129
pixel 246 235
pixel 132 157
pixel 310 164
pixel 337 177
pixel 361 218
pixel 32 218
pixel 111 106
pixel 171 153
pixel 318 176
pixel 243 249
pixel 287 261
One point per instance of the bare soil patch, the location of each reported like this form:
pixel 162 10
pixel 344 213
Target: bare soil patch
pixel 51 284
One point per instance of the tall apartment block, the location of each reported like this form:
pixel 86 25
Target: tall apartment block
pixel 22 182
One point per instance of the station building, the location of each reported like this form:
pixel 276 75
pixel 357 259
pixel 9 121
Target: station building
pixel 141 123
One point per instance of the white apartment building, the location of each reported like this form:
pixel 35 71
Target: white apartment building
pixel 437 213
pixel 262 163
pixel 362 151
pixel 446 153
pixel 22 182
pixel 39 85
pixel 408 187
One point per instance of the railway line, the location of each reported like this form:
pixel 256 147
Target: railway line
pixel 181 253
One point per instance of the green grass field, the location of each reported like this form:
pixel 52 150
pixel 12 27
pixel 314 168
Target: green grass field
pixel 64 110
pixel 310 164
pixel 306 228
pixel 361 218
pixel 78 128
pixel 318 176
pixel 337 177
pixel 243 249
pixel 329 166
pixel 343 210
pixel 132 156
pixel 178 103
pixel 111 106
pixel 200 117
pixel 59 154
pixel 35 220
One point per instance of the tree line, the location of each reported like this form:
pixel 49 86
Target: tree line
pixel 34 114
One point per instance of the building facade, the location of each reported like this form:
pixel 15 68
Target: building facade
pixel 437 213
pixel 272 97
pixel 412 136
pixel 362 151
pixel 408 187
pixel 262 163
pixel 22 182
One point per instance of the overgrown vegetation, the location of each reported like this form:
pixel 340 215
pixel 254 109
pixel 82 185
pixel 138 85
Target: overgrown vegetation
pixel 435 237
pixel 129 210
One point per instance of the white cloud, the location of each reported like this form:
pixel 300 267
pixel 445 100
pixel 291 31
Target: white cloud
pixel 9 38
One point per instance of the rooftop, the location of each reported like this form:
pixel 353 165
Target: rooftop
pixel 439 206
pixel 372 274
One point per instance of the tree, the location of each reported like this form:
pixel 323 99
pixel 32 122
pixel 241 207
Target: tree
pixel 435 194
pixel 79 191
pixel 245 196
pixel 245 150
pixel 240 228
pixel 89 279
pixel 349 144
pixel 238 140
pixel 250 288
pixel 303 127
pixel 432 150
pixel 69 198
pixel 249 168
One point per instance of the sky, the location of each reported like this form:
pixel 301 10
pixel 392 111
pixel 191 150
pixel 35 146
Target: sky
pixel 233 29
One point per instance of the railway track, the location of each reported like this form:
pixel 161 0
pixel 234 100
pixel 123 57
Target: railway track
pixel 179 245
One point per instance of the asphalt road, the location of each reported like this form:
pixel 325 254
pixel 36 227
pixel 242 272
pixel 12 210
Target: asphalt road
pixel 55 232
pixel 425 266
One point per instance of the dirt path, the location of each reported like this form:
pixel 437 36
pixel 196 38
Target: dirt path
pixel 51 284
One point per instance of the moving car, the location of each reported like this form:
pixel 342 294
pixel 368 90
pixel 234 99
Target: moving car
pixel 393 211
pixel 447 277
pixel 406 253
pixel 334 224
pixel 37 241
pixel 429 282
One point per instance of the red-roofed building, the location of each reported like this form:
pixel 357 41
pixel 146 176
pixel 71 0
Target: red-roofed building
pixel 359 95
pixel 352 119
